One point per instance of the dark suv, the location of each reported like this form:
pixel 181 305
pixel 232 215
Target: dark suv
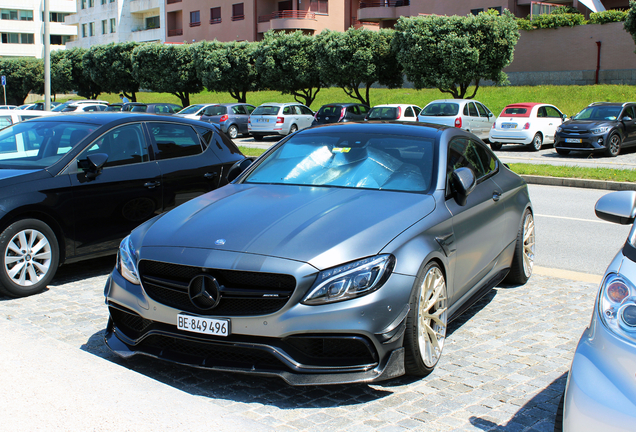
pixel 340 112
pixel 601 126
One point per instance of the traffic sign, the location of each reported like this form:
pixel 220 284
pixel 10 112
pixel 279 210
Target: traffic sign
pixel 4 80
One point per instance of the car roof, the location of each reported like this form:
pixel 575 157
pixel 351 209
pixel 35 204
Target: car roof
pixel 347 104
pixel 452 100
pixel 524 105
pixel 106 117
pixel 610 103
pixel 279 103
pixel 388 127
pixel 393 105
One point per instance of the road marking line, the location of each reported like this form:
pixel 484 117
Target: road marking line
pixel 567 274
pixel 575 219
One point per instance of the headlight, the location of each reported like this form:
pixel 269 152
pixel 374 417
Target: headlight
pixel 617 306
pixel 127 261
pixel 600 130
pixel 351 280
pixel 558 128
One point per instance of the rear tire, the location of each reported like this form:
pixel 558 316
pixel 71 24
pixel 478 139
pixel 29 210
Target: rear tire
pixel 293 128
pixel 232 132
pixel 495 145
pixel 523 258
pixel 426 322
pixel 29 256
pixel 537 142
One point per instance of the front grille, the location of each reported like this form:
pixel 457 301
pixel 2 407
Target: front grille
pixel 584 146
pixel 242 293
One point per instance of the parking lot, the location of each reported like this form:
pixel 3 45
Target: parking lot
pixel 504 366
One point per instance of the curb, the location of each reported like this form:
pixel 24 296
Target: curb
pixel 580 183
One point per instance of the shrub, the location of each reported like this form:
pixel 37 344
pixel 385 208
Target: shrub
pixel 607 16
pixel 564 10
pixel 558 20
pixel 524 24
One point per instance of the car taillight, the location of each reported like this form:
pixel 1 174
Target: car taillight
pixel 526 126
pixel 343 111
pixel 458 122
pixel 399 112
pixel 223 118
pixel 249 120
pixel 316 116
pixel 280 119
pixel 493 125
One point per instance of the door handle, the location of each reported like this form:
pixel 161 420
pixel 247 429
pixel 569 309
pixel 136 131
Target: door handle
pixel 496 195
pixel 151 185
pixel 210 175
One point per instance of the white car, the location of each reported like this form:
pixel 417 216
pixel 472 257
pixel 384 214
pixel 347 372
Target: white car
pixel 194 111
pixel 278 119
pixel 397 112
pixel 82 106
pixel 9 117
pixel 25 145
pixel 467 114
pixel 532 124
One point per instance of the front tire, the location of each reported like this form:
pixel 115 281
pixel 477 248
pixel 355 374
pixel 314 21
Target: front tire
pixel 613 147
pixel 562 152
pixel 29 257
pixel 523 259
pixel 426 322
pixel 537 142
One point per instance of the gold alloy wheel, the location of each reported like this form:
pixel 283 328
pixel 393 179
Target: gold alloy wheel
pixel 432 317
pixel 528 244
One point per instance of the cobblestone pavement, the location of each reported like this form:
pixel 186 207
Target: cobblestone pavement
pixel 504 364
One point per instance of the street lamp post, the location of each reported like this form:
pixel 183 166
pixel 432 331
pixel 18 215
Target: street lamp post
pixel 47 57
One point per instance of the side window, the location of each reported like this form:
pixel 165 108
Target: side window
pixel 552 112
pixel 6 121
pixel 466 109
pixel 472 110
pixel 363 109
pixel 629 111
pixel 466 153
pixel 249 109
pixel 289 110
pixel 206 136
pixel 124 145
pixel 409 112
pixel 417 110
pixel 238 109
pixel 541 112
pixel 175 140
pixel 306 111
pixel 482 110
pixel 354 110
pixel 298 110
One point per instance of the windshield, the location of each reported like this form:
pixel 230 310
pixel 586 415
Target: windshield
pixel 137 108
pixel 359 161
pixel 192 109
pixel 440 109
pixel 599 113
pixel 266 110
pixel 383 113
pixel 39 144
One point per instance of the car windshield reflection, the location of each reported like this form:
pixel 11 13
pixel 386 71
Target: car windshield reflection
pixel 598 113
pixel 39 145
pixel 387 162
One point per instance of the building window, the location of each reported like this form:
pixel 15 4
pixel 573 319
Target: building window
pixel 103 1
pixel 215 15
pixel 83 4
pixel 59 39
pixel 91 3
pixel 9 14
pixel 113 25
pixel 111 1
pixel 14 14
pixel 237 12
pixel 104 26
pixel 195 19
pixel 319 6
pixel 56 17
pixel 83 30
pixel 153 22
pixel 476 11
pixel 18 38
pixel 26 15
pixel 91 29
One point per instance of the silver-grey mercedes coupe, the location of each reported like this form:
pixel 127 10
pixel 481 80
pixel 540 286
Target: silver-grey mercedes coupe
pixel 339 256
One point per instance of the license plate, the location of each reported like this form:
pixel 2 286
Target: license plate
pixel 509 125
pixel 262 120
pixel 209 326
pixel 573 140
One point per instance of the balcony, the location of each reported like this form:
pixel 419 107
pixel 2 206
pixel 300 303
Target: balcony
pixel 63 6
pixel 142 6
pixel 173 1
pixel 383 10
pixel 147 35
pixel 175 32
pixel 287 20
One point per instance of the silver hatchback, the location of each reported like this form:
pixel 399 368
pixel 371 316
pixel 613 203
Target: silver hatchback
pixel 279 119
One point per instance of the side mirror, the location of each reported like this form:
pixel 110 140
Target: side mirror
pixel 618 207
pixel 463 182
pixel 490 115
pixel 238 168
pixel 93 164
pixel 627 118
pixel 564 117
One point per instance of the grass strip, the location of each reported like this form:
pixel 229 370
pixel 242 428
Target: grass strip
pixel 607 174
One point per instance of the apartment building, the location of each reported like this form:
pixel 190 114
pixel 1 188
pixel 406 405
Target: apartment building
pixel 226 20
pixel 104 21
pixel 22 27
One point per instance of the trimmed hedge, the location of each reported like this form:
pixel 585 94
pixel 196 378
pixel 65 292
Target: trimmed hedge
pixel 556 20
pixel 607 16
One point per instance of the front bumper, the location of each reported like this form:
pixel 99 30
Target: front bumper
pixel 588 142
pixel 601 389
pixel 358 340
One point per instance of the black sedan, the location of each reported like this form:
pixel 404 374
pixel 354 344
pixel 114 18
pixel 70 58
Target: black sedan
pixel 72 186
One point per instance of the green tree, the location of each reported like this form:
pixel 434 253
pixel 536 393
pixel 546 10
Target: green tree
pixel 110 67
pixel 356 59
pixel 68 73
pixel 167 69
pixel 24 75
pixel 227 67
pixel 452 53
pixel 286 62
pixel 630 20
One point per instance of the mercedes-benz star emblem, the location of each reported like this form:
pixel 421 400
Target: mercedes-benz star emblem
pixel 204 292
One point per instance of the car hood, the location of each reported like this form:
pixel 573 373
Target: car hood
pixel 317 225
pixel 585 124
